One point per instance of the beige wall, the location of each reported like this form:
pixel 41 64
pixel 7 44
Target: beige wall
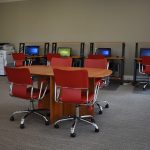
pixel 77 20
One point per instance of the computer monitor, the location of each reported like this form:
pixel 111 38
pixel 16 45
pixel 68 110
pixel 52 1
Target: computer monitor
pixel 144 52
pixel 32 50
pixel 64 51
pixel 104 51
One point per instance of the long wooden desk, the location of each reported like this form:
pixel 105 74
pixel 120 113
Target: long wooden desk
pixel 58 110
pixel 42 56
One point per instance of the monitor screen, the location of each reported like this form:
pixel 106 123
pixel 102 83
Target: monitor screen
pixel 32 50
pixel 104 51
pixel 144 52
pixel 64 51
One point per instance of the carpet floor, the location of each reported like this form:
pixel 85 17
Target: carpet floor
pixel 123 126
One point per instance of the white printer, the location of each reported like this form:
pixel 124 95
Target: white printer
pixel 6 59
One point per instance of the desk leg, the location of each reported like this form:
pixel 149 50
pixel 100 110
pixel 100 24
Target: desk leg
pixel 135 72
pixel 121 71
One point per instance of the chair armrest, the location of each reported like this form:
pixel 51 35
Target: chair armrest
pixel 43 80
pixel 141 68
pixel 28 62
pixel 57 93
pixel 108 65
pixel 100 82
pixel 43 87
pixel 96 90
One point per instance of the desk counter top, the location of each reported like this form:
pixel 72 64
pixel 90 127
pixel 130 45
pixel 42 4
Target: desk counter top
pixel 33 57
pixel 115 58
pixel 138 58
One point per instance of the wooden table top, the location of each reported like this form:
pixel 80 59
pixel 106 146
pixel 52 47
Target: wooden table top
pixel 48 71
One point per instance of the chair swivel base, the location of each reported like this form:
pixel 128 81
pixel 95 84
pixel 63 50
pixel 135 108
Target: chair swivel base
pixel 27 113
pixel 145 85
pixel 101 107
pixel 76 119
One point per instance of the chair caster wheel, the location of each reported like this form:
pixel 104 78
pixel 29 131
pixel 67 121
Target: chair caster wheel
pixel 96 130
pixel 100 112
pixel 143 89
pixel 22 126
pixel 107 106
pixel 56 126
pixel 46 123
pixel 92 120
pixel 12 118
pixel 72 135
pixel 48 114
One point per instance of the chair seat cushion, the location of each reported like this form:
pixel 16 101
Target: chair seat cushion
pixel 76 96
pixel 147 69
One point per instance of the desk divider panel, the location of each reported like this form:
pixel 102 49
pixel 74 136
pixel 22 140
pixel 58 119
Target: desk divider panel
pixel 77 51
pixel 44 47
pixel 77 47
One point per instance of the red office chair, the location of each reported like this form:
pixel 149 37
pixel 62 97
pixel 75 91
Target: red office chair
pixel 96 63
pixel 21 86
pixel 20 59
pixel 99 63
pixel 61 62
pixel 73 87
pixel 144 68
pixel 99 56
pixel 49 57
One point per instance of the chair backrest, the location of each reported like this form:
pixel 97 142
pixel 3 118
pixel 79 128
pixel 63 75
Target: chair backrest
pixel 61 62
pixel 49 56
pixel 145 60
pixel 71 84
pixel 18 58
pixel 99 56
pixel 20 79
pixel 96 63
pixel 145 65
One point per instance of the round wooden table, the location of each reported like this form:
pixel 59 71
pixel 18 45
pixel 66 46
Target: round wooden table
pixel 58 110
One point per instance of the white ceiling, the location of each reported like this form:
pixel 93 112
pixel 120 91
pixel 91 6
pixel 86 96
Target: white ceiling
pixel 7 1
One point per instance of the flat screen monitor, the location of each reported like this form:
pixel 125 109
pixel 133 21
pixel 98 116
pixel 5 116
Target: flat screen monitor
pixel 64 51
pixel 32 50
pixel 104 51
pixel 144 52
